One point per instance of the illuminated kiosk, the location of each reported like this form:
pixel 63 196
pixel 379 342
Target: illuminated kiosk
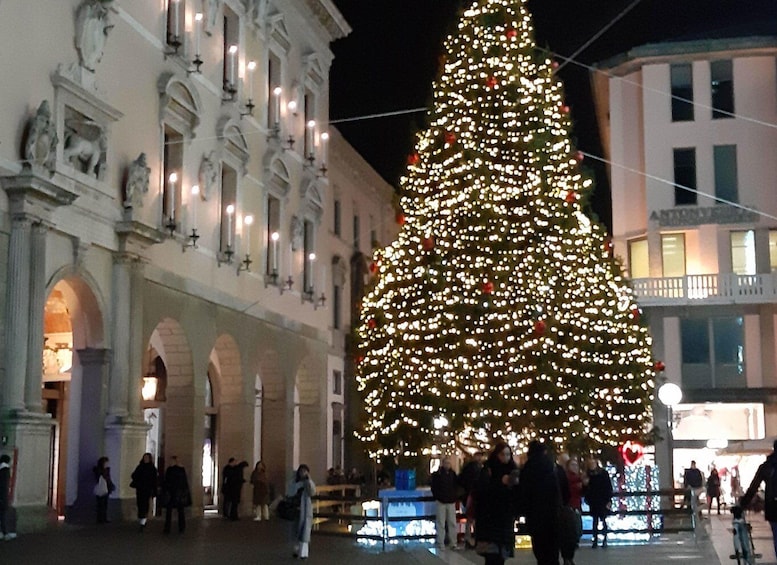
pixel 407 514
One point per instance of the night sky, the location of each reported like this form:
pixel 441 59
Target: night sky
pixel 390 59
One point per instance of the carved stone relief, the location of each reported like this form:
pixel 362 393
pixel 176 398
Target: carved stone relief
pixel 86 144
pixel 209 175
pixel 93 24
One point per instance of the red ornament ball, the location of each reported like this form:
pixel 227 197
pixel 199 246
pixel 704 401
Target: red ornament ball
pixel 413 159
pixel 579 157
pixel 511 32
pixel 401 219
pixel 371 323
pixel 488 287
pixel 450 138
pixel 540 327
pixel 571 196
pixel 659 366
pixel 636 313
pixel 565 109
pixel 374 267
pixel 427 243
pixel 491 81
pixel 359 359
pixel 554 64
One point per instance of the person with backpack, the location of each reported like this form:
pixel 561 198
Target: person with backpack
pixel 767 473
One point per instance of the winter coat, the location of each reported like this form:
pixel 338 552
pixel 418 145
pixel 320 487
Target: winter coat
pixel 5 485
pixel 445 486
pixel 575 482
pixel 765 474
pixel 693 478
pixel 468 478
pixel 304 524
pixel 598 493
pixel 176 487
pixel 233 480
pixel 104 472
pixel 713 485
pixel 144 479
pixel 496 506
pixel 261 488
pixel 539 495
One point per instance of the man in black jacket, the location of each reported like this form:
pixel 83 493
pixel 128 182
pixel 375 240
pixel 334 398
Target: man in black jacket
pixel 444 491
pixel 767 473
pixel 539 496
pixel 598 496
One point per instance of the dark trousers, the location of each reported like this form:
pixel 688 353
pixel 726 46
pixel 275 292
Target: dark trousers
pixel 544 545
pixel 494 559
pixel 181 517
pixel 568 551
pixel 102 509
pixel 230 507
pixel 144 503
pixel 599 517
pixel 3 519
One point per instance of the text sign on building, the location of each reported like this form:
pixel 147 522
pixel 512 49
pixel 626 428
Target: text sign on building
pixel 696 216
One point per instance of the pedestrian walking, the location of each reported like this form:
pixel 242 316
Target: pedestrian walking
pixel 468 479
pixel 574 480
pixel 103 487
pixel 496 508
pixel 144 481
pixel 177 495
pixel 766 473
pixel 445 491
pixel 6 529
pixel 227 480
pixel 693 481
pixel 598 496
pixel 713 490
pixel 261 498
pixel 302 487
pixel 539 499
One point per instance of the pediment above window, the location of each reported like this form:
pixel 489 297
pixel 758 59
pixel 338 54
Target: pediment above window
pixel 179 103
pixel 234 142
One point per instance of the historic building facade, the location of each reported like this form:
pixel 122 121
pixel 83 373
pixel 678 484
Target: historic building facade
pixel 689 132
pixel 172 275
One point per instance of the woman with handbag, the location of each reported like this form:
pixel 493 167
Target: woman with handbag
pixel 302 486
pixel 103 488
pixel 144 480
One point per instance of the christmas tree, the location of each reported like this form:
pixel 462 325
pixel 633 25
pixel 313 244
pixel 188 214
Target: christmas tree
pixel 499 310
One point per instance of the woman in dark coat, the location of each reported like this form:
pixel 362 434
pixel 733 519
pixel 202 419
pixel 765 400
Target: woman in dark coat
pixel 496 506
pixel 102 492
pixel 713 490
pixel 177 494
pixel 598 496
pixel 144 481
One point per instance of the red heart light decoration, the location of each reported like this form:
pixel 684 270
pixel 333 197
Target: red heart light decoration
pixel 632 452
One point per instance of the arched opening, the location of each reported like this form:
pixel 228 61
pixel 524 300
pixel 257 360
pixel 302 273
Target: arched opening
pixel 210 448
pixel 72 379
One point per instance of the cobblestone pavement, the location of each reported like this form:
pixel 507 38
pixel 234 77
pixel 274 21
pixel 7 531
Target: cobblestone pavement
pixel 214 540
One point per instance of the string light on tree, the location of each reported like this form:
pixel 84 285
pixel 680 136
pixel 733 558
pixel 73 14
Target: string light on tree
pixel 499 307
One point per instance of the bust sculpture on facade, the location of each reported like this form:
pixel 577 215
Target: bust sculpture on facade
pixel 41 145
pixel 137 182
pixel 92 27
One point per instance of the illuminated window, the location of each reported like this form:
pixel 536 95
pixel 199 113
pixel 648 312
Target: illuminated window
pixel 673 254
pixel 743 252
pixel 773 249
pixel 682 92
pixel 722 86
pixel 684 176
pixel 638 259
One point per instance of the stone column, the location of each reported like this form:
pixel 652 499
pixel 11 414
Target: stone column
pixel 32 395
pixel 136 344
pixel 17 313
pixel 119 385
pixel 91 445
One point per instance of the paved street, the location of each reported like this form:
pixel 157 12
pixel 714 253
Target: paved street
pixel 213 540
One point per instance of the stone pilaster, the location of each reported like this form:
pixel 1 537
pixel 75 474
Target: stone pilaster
pixel 136 344
pixel 119 381
pixel 17 314
pixel 32 396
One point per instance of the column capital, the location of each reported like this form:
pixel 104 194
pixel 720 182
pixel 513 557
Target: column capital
pixel 33 190
pixel 91 356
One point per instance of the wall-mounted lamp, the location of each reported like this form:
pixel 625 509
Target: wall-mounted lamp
pixel 197 62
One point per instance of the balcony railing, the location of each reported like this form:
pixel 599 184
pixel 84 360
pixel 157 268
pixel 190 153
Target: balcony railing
pixel 728 288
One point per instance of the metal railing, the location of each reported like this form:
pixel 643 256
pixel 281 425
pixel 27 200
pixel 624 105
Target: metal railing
pixel 332 515
pixel 723 288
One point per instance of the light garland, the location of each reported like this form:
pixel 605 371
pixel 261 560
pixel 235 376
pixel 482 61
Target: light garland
pixel 499 308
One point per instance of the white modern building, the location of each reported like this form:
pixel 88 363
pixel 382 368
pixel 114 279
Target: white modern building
pixel 690 133
pixel 174 277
